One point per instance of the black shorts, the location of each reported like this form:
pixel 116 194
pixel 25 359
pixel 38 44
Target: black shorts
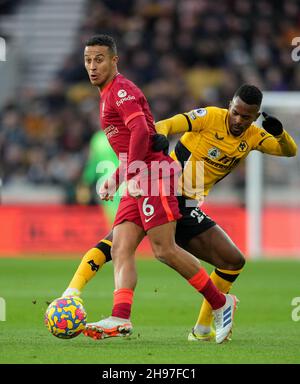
pixel 192 223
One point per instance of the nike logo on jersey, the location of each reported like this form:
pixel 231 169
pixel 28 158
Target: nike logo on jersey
pixel 149 218
pixel 218 137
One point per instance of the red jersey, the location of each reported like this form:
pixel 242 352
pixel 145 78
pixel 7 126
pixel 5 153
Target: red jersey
pixel 121 102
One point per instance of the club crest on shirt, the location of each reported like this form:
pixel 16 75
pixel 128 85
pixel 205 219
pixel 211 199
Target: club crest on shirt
pixel 243 146
pixel 214 153
pixel 122 93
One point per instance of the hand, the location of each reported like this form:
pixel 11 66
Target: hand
pixel 272 125
pixel 160 143
pixel 133 188
pixel 107 190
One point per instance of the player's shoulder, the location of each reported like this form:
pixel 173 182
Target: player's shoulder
pixel 255 130
pixel 256 134
pixel 208 112
pixel 123 86
pixel 217 112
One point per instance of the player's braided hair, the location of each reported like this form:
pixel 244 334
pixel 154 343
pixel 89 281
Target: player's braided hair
pixel 105 40
pixel 249 94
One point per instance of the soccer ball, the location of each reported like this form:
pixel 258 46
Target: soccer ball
pixel 65 317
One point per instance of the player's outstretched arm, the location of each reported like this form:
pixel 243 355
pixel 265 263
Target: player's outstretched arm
pixel 173 125
pixel 176 124
pixel 281 144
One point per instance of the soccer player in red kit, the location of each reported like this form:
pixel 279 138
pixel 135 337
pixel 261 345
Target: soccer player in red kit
pixel 128 123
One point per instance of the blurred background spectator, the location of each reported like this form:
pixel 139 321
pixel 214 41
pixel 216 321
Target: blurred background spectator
pixel 183 54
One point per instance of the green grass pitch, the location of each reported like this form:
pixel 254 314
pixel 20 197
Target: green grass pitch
pixel 164 311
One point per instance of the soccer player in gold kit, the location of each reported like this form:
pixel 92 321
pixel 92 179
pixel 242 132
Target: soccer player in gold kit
pixel 219 139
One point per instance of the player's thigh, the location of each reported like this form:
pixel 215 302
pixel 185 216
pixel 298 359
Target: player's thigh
pixel 215 247
pixel 159 215
pixel 127 237
pixel 162 238
pixel 193 221
pixel 127 229
pixel 128 210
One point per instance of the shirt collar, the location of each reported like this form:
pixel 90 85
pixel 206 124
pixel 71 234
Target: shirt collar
pixel 108 86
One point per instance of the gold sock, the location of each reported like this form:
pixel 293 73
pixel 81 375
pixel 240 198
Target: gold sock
pixel 223 280
pixel 91 262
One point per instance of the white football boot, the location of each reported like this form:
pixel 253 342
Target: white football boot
pixel 224 319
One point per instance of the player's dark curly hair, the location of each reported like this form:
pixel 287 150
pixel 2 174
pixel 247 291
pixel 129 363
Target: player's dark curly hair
pixel 249 94
pixel 105 40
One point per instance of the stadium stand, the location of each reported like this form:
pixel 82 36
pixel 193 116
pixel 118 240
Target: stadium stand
pixel 183 54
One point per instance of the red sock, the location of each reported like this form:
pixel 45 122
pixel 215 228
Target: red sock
pixel 123 299
pixel 202 282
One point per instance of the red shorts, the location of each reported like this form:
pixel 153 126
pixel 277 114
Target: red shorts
pixel 149 211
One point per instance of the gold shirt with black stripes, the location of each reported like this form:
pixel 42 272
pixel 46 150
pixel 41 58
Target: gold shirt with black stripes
pixel 208 151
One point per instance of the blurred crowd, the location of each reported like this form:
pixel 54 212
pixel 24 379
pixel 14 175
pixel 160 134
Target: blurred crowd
pixel 8 6
pixel 183 54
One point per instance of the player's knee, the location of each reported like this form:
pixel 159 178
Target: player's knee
pixel 164 254
pixel 239 260
pixel 233 262
pixel 117 251
pixel 242 261
pixel 120 252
